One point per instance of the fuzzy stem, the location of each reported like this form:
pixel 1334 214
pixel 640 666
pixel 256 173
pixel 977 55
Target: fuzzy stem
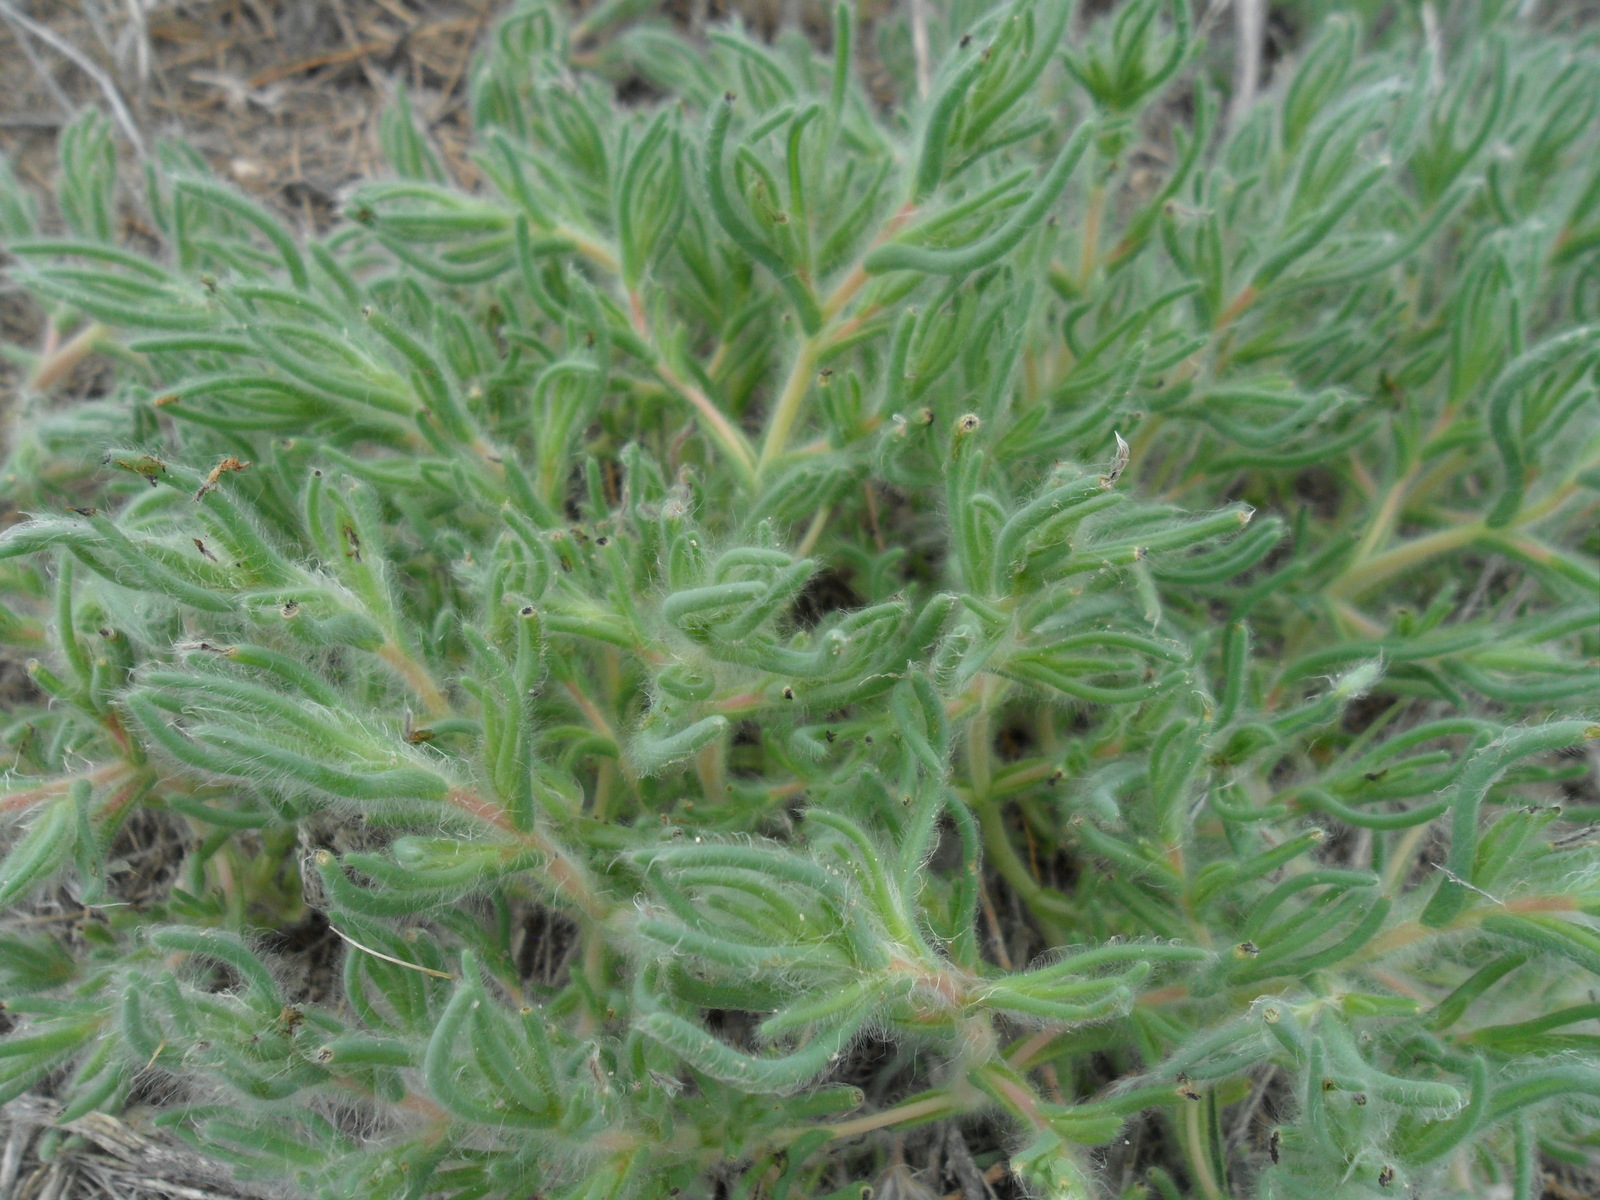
pixel 56 787
pixel 417 679
pixel 733 443
pixel 567 877
pixel 1088 254
pixel 1365 576
pixel 913 1110
pixel 788 406
pixel 1197 1153
pixel 57 364
pixel 804 366
pixel 727 436
pixel 1383 520
pixel 1409 933
pixel 1017 1097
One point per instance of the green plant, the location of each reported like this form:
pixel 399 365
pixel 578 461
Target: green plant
pixel 714 537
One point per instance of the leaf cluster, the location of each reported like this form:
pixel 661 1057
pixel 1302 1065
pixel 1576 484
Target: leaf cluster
pixel 759 536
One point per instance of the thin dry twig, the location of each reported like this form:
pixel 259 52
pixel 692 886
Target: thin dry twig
pixel 919 45
pixel 1250 26
pixel 138 34
pixel 117 1151
pixel 361 50
pixel 42 71
pixel 399 962
pixel 996 936
pixel 993 1175
pixel 1247 1114
pixel 446 93
pixel 363 55
pixel 84 63
pixel 1430 34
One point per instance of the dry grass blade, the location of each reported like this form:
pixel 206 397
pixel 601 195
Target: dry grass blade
pixel 399 962
pixel 116 1158
pixel 84 63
